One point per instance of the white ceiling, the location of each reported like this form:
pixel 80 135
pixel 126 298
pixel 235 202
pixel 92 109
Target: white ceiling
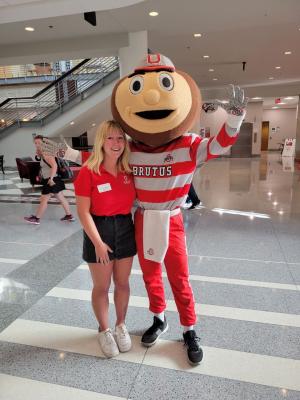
pixel 255 31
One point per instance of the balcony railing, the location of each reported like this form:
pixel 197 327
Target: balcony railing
pixel 55 96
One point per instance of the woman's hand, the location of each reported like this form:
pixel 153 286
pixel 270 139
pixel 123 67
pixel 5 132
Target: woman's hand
pixel 101 250
pixel 51 182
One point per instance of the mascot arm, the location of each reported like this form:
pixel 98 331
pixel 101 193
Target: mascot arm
pixel 62 150
pixel 221 143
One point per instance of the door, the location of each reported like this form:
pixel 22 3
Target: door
pixel 265 136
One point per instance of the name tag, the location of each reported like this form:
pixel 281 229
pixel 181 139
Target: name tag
pixel 105 187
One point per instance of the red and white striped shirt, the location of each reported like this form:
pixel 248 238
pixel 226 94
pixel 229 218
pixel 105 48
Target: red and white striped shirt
pixel 163 175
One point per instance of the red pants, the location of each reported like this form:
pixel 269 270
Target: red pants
pixel 176 263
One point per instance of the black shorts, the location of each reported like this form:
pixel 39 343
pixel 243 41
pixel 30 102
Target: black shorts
pixel 117 232
pixel 58 187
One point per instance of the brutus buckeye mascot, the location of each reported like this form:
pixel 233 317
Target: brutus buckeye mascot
pixel 156 106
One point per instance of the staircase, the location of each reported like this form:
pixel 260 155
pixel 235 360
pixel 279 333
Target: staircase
pixel 74 86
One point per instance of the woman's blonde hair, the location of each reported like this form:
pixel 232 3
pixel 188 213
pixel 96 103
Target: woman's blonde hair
pixel 97 156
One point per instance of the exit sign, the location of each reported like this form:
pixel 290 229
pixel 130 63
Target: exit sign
pixel 278 101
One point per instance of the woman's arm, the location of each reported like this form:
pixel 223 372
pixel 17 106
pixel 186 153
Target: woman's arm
pixel 83 210
pixel 51 161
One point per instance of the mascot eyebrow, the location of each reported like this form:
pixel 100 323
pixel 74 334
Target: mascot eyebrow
pixel 143 72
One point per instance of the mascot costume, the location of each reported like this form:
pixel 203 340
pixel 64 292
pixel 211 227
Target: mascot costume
pixel 156 106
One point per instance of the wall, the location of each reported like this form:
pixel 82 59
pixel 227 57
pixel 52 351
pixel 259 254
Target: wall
pixel 286 120
pixel 216 119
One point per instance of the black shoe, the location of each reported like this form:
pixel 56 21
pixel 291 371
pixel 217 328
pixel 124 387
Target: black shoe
pixel 195 205
pixel 194 351
pixel 153 333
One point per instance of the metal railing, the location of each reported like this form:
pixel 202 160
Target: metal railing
pixel 53 97
pixel 39 69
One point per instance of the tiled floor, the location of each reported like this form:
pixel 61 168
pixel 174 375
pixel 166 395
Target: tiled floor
pixel 244 254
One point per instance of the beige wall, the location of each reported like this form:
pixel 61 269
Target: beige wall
pixel 284 121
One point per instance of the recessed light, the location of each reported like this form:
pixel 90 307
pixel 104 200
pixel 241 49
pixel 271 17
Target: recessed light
pixel 206 56
pixel 2 120
pixel 275 203
pixel 25 119
pixel 271 77
pixel 215 79
pixel 29 29
pixel 288 52
pixel 197 34
pixel 280 212
pixel 72 123
pixel 256 98
pixel 211 70
pixel 270 193
pixel 94 124
pixel 153 13
pixel 278 67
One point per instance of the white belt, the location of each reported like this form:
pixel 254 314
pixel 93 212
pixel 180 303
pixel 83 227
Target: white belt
pixel 156 233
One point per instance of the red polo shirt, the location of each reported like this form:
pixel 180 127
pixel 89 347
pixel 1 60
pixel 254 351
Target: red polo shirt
pixel 109 195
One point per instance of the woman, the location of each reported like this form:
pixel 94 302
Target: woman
pixel 52 185
pixel 104 195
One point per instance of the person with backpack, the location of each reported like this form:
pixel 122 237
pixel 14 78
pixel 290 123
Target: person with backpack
pixel 53 185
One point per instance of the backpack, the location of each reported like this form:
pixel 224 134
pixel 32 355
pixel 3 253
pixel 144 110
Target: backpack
pixel 63 169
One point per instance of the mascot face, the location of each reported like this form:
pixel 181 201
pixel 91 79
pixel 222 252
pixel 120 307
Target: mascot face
pixel 156 104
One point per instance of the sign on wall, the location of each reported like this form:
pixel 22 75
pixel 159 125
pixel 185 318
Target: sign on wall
pixel 289 148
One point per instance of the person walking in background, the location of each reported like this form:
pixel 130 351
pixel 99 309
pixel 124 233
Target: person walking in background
pixel 105 194
pixel 192 200
pixel 52 185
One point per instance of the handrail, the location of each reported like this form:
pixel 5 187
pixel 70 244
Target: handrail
pixel 56 95
pixel 50 84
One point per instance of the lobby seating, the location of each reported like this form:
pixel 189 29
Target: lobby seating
pixel 28 169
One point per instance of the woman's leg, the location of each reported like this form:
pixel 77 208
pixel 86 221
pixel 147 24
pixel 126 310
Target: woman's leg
pixel 64 202
pixel 101 275
pixel 43 205
pixel 121 273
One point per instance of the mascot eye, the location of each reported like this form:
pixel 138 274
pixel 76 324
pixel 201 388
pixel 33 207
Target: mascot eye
pixel 166 81
pixel 136 84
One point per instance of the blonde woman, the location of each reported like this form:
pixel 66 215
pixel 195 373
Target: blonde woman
pixel 104 195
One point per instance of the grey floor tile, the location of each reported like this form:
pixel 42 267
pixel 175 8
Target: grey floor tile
pixel 241 269
pixel 244 336
pixel 170 385
pixel 5 268
pixel 74 370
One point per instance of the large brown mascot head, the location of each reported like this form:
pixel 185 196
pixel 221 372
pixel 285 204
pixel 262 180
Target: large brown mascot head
pixel 156 104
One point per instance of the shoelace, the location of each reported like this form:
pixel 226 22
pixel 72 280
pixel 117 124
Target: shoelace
pixel 108 337
pixel 123 330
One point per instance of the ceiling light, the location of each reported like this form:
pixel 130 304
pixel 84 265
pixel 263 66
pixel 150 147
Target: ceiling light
pixel 153 13
pixel 211 70
pixel 280 212
pixel 287 52
pixel 25 119
pixel 224 101
pixel 197 34
pixel 93 124
pixel 288 98
pixel 256 98
pixel 275 108
pixel 278 67
pixel 281 103
pixel 215 79
pixel 270 193
pixel 72 123
pixel 2 120
pixel 271 77
pixel 275 203
pixel 206 56
pixel 29 29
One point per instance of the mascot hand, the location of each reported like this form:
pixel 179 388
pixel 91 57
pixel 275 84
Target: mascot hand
pixel 237 101
pixel 55 149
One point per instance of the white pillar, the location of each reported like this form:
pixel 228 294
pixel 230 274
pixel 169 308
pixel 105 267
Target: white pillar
pixel 131 56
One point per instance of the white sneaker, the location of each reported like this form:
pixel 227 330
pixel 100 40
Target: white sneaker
pixel 122 338
pixel 107 342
